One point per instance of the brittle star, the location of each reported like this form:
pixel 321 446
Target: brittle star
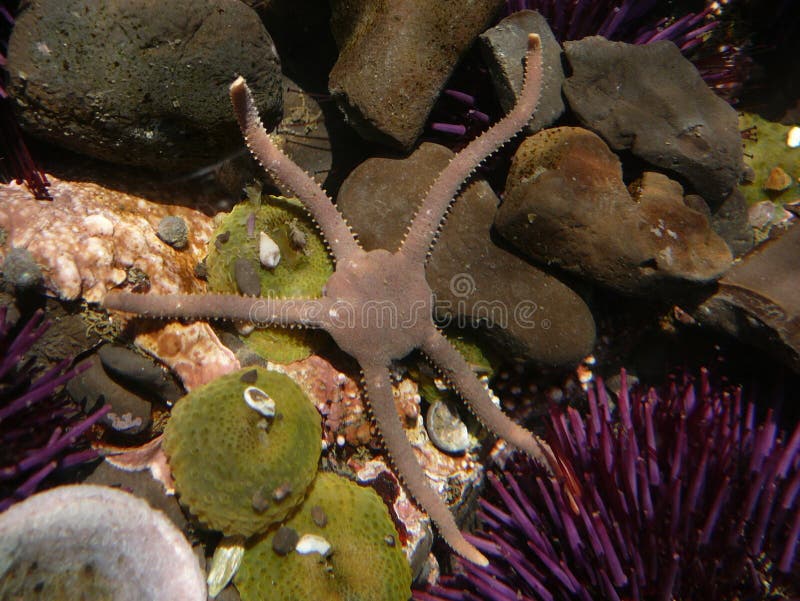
pixel 363 280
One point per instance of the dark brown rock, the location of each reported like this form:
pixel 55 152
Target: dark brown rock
pixel 471 277
pixel 566 204
pixel 130 413
pixel 758 300
pixel 394 58
pixel 651 100
pixel 140 82
pixel 138 371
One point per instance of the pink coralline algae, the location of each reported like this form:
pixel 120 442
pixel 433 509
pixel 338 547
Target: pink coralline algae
pixel 89 238
pixel 682 496
pixel 39 432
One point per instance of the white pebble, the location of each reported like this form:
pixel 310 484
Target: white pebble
pixel 312 543
pixel 268 252
pixel 793 137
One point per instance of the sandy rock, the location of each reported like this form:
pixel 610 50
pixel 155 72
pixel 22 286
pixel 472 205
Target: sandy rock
pixel 566 204
pixel 394 58
pixel 652 101
pixel 536 317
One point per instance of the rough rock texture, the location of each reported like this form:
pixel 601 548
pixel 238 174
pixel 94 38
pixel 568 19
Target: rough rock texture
pixel 503 48
pixel 758 299
pixel 94 542
pixel 192 351
pixel 89 236
pixel 473 279
pixel 651 100
pixel 729 220
pixel 566 204
pixel 394 58
pixel 140 82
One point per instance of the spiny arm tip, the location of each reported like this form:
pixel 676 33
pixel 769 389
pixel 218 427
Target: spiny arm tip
pixel 534 42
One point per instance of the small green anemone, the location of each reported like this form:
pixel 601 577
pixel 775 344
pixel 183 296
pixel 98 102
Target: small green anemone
pixel 236 467
pixel 365 561
pixel 303 269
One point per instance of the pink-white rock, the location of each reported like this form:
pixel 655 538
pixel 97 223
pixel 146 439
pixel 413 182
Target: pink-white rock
pixel 88 237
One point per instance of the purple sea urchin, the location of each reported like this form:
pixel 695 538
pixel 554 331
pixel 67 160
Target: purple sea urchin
pixel 683 497
pixel 38 431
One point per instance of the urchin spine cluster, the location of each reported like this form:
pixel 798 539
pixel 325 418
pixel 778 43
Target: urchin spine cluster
pixel 682 496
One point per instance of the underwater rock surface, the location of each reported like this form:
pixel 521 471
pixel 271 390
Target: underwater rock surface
pixel 394 58
pixel 471 277
pixel 137 82
pixel 94 542
pixel 503 48
pixel 652 101
pixel 566 204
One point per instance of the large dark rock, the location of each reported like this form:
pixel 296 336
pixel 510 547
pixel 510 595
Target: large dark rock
pixel 758 300
pixel 140 82
pixel 503 48
pixel 652 101
pixel 566 204
pixel 395 57
pixel 535 316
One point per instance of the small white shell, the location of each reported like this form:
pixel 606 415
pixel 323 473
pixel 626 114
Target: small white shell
pixel 312 543
pixel 268 252
pixel 225 563
pixel 259 400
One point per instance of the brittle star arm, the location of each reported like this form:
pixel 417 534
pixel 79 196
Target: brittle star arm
pixel 311 313
pixel 381 402
pixel 428 219
pixel 330 222
pixel 460 376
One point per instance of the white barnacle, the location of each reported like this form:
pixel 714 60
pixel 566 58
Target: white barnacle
pixel 268 252
pixel 313 543
pixel 259 400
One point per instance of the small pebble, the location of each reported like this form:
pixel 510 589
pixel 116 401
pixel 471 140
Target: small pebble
pixel 249 377
pixel 446 429
pixel 247 279
pixel 221 239
pixel 259 501
pixel 283 491
pixel 173 231
pixel 389 540
pixel 285 540
pixel 318 516
pixel 778 180
pixel 268 252
pixel 21 269
pixel 313 543
pixel 201 271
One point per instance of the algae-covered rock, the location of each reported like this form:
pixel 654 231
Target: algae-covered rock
pixel 302 269
pixel 365 561
pixel 765 149
pixel 239 466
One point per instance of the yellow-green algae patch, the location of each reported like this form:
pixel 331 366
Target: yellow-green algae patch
pixel 366 562
pixel 235 469
pixel 765 148
pixel 304 266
